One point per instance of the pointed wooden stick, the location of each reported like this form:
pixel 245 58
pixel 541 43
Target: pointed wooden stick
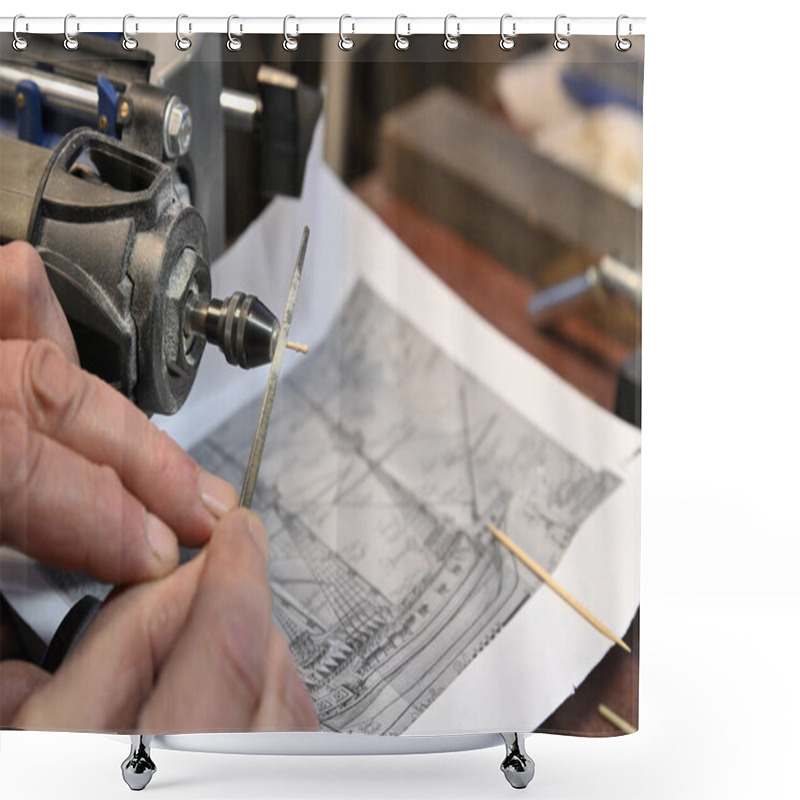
pixel 556 587
pixel 615 719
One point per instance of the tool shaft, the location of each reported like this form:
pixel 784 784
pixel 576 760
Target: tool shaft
pixel 253 464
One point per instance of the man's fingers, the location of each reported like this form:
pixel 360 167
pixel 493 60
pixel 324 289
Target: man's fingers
pixel 88 416
pixel 216 673
pixel 28 307
pixel 62 509
pixel 193 652
pixel 285 703
pixel 18 681
pixel 104 681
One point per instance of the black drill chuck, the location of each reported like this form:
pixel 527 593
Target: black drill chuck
pixel 241 326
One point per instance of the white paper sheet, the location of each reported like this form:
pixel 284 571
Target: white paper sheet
pixel 546 649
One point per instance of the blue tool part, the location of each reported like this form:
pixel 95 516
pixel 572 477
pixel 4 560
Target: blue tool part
pixel 591 93
pixel 29 112
pixel 107 97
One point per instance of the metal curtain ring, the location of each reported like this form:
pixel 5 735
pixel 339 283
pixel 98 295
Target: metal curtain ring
pixel 289 42
pixel 233 43
pixel 19 42
pixel 401 42
pixel 623 45
pixel 181 42
pixel 451 42
pixel 560 42
pixel 70 42
pixel 344 42
pixel 507 42
pixel 128 42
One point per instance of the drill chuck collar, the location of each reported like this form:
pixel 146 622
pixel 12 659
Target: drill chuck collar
pixel 241 326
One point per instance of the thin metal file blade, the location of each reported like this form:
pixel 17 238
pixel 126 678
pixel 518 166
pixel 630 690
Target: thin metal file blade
pixel 251 473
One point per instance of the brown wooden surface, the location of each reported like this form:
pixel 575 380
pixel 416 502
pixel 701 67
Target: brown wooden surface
pixel 578 351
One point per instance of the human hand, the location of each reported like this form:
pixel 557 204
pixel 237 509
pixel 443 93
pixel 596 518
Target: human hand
pixel 195 651
pixel 82 477
pixel 83 472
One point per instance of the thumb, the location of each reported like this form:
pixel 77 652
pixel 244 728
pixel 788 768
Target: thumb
pixel 18 681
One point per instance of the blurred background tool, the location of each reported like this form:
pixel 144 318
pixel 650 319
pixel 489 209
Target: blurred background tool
pixel 608 274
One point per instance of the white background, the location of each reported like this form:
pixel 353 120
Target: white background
pixel 720 705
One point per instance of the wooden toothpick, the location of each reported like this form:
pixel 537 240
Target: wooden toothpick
pixel 299 348
pixel 615 719
pixel 556 587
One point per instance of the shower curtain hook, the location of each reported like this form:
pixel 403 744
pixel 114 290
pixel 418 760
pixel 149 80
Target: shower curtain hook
pixel 128 42
pixel 20 43
pixel 344 42
pixel 507 42
pixel 70 42
pixel 289 42
pixel 233 43
pixel 181 41
pixel 623 45
pixel 561 43
pixel 401 42
pixel 451 42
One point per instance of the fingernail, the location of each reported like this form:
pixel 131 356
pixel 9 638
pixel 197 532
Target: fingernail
pixel 161 539
pixel 50 375
pixel 218 496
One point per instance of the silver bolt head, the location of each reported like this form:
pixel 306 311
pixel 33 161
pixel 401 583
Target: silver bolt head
pixel 178 130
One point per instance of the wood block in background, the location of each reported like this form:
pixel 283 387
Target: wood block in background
pixel 457 163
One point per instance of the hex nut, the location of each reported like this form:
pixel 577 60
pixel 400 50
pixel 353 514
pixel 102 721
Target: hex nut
pixel 177 129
